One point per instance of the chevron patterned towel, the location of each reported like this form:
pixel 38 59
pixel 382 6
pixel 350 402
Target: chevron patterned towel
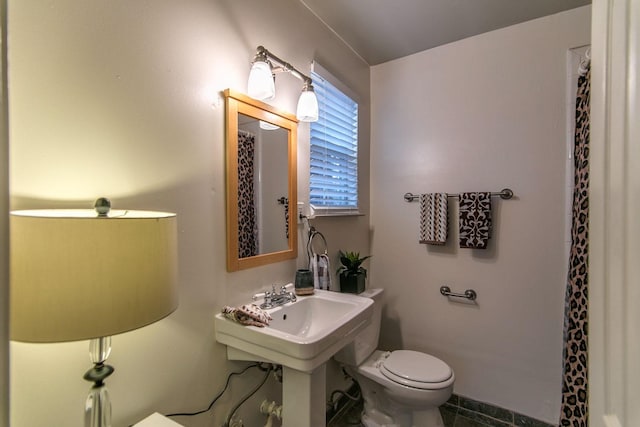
pixel 475 220
pixel 433 218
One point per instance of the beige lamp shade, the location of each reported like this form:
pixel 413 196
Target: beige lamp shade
pixel 77 276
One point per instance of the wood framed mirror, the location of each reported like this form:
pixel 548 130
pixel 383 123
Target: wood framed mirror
pixel 261 163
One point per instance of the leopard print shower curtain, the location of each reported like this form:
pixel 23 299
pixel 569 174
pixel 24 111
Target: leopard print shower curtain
pixel 574 410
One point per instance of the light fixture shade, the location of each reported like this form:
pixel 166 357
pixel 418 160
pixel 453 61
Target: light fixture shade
pixel 76 276
pixel 307 110
pixel 267 126
pixel 261 85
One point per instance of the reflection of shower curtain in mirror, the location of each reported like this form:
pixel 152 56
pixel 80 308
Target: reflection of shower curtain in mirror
pixel 286 218
pixel 247 224
pixel 574 411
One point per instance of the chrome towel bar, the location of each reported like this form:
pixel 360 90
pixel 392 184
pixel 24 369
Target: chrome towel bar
pixel 504 194
pixel 469 294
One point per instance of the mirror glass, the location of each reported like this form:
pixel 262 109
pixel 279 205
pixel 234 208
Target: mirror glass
pixel 261 183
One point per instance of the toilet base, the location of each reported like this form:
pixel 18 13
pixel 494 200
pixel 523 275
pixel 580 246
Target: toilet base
pixel 430 417
pixel 427 418
pixel 380 411
pixel 375 418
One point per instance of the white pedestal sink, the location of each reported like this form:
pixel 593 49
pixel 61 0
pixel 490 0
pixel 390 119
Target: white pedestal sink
pixel 302 336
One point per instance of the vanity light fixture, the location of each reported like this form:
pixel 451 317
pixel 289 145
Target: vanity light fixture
pixel 307 110
pixel 261 83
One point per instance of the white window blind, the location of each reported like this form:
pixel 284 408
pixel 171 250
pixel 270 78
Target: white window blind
pixel 334 149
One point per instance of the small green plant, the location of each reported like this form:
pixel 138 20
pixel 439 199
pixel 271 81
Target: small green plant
pixel 351 264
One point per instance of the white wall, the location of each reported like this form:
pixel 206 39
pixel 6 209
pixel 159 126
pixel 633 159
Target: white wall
pixel 122 99
pixel 480 114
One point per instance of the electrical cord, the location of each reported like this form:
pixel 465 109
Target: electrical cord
pixel 332 403
pixel 345 394
pixel 244 399
pixel 190 414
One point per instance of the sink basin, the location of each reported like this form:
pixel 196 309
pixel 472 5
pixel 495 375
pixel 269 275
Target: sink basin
pixel 303 334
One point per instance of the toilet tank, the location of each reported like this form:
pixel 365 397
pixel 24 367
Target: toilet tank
pixel 366 342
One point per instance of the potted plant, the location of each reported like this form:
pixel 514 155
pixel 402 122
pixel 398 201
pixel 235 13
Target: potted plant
pixel 352 274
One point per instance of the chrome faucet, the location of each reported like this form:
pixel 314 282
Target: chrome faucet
pixel 274 299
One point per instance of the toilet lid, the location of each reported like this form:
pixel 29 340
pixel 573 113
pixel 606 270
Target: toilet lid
pixel 416 369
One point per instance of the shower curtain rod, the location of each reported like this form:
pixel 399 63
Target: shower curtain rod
pixel 504 194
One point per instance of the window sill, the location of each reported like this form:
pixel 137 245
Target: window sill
pixel 334 214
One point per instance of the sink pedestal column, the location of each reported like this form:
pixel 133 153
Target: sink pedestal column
pixel 303 397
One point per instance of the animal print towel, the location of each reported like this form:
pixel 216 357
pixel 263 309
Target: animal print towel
pixel 248 314
pixel 433 218
pixel 475 220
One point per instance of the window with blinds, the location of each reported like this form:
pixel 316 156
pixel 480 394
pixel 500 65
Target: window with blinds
pixel 334 149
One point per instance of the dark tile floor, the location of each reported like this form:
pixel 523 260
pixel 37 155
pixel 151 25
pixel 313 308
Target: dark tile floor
pixel 451 416
pixel 351 418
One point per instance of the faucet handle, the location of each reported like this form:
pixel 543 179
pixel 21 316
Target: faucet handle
pixel 257 296
pixel 267 299
pixel 266 295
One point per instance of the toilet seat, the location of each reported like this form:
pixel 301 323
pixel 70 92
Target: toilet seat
pixel 416 369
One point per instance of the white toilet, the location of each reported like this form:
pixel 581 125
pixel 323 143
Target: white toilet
pixel 401 388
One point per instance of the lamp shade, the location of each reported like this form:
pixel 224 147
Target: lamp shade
pixel 307 110
pixel 77 276
pixel 261 85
